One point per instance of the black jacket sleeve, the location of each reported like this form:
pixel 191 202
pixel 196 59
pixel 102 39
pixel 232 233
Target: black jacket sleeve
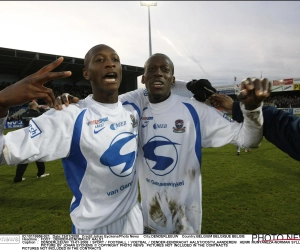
pixel 280 128
pixel 237 114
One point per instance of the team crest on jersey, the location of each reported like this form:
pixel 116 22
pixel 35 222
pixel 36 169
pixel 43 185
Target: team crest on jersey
pixel 134 122
pixel 34 130
pixel 179 128
pixel 120 155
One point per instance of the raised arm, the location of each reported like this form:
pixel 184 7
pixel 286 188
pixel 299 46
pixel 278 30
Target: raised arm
pixel 31 87
pixel 280 128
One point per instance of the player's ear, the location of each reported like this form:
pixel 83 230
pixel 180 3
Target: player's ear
pixel 173 81
pixel 86 74
pixel 143 79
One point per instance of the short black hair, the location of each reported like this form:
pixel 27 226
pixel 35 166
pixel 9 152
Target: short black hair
pixel 160 54
pixel 87 57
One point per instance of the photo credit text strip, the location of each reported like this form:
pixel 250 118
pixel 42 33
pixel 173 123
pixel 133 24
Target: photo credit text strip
pixel 147 241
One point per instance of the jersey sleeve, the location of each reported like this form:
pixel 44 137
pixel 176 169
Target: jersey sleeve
pixel 48 137
pixel 217 129
pixel 252 129
pixel 2 126
pixel 138 97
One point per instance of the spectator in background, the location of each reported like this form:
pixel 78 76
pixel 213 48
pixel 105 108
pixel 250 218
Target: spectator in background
pixel 283 101
pixel 31 112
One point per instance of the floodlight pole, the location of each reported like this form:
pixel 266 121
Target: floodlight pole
pixel 150 45
pixel 148 4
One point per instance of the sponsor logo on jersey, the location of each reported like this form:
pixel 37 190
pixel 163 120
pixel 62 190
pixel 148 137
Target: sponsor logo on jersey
pixel 158 164
pixel 115 126
pixel 96 131
pixel 157 126
pixel 134 122
pixel 145 118
pixel 34 130
pixel 179 128
pixel 122 187
pixel 145 121
pixel 121 154
pixel 98 128
pixel 227 117
pixel 95 122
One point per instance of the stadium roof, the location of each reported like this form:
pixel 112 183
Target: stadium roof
pixel 23 63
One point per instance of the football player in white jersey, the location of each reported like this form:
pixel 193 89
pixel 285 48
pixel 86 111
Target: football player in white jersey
pixel 97 141
pixel 172 131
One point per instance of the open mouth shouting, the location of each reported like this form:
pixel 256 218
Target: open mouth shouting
pixel 110 77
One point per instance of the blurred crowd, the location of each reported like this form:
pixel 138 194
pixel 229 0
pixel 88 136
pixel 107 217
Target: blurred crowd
pixel 284 101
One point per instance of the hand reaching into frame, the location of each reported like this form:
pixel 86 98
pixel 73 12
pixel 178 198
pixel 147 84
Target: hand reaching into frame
pixel 222 101
pixel 253 91
pixel 66 99
pixel 32 87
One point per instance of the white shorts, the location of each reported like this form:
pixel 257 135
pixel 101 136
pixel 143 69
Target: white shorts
pixel 131 223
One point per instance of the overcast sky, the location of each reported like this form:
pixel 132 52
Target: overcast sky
pixel 212 40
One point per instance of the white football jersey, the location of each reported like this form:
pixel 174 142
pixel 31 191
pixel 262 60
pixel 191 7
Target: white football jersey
pixel 171 136
pixel 98 146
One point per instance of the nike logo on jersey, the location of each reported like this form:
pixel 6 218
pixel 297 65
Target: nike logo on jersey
pixel 121 154
pixel 97 131
pixel 145 124
pixel 145 121
pixel 158 164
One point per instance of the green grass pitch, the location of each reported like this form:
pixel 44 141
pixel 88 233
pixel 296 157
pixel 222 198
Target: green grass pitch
pixel 256 192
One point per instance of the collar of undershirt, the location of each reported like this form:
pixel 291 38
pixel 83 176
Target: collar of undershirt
pixel 106 105
pixel 161 106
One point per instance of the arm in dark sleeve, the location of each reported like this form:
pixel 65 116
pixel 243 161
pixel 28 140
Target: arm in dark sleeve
pixel 283 130
pixel 237 114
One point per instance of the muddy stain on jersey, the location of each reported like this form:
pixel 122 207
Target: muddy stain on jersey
pixel 157 215
pixel 191 173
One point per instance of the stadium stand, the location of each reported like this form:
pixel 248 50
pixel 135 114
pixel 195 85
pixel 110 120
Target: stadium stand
pixel 287 98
